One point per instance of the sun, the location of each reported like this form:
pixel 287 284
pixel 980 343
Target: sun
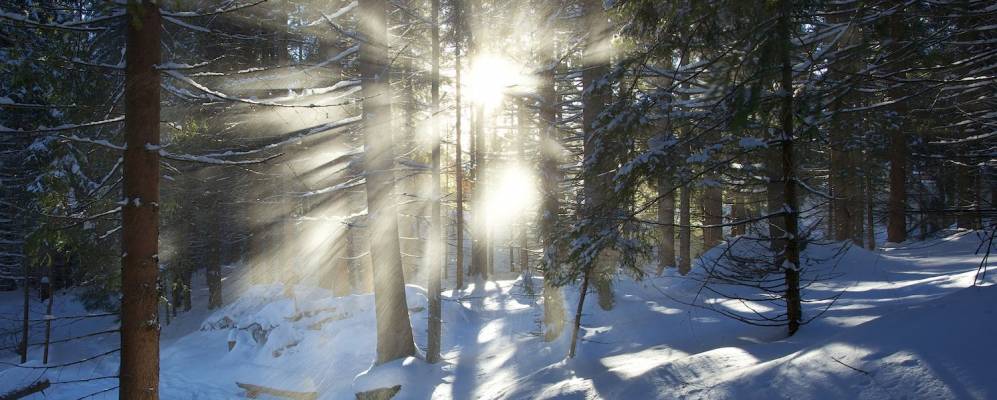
pixel 492 77
pixel 512 194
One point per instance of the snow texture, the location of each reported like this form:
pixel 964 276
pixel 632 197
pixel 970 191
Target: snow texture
pixel 908 325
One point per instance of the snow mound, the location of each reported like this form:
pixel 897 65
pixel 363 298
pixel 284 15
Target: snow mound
pixel 940 350
pixel 296 338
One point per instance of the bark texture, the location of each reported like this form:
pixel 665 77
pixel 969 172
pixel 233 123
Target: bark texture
pixel 394 330
pixel 436 251
pixel 139 374
pixel 791 265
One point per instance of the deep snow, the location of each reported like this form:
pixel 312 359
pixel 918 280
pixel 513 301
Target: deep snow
pixel 908 325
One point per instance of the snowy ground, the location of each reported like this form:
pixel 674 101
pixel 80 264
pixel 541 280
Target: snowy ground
pixel 908 325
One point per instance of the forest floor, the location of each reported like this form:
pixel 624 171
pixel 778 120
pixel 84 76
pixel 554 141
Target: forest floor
pixel 907 324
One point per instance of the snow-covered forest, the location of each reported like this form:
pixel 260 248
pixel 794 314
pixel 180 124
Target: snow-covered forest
pixel 498 199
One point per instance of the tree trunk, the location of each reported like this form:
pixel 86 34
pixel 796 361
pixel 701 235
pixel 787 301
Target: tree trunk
pixel 897 217
pixel 341 282
pixel 22 392
pixel 666 221
pixel 176 289
pixel 48 312
pixel 964 197
pixel 791 266
pixel 479 227
pixel 139 372
pixel 578 313
pixel 360 267
pixel 595 99
pixel 829 234
pixel 523 119
pixel 22 347
pixel 870 227
pixel 459 159
pixel 213 272
pixel 394 331
pixel 896 230
pixel 187 277
pixel 846 202
pixel 739 212
pixel 858 204
pixel 713 214
pixel 550 179
pixel 409 211
pixel 436 252
pixel 685 234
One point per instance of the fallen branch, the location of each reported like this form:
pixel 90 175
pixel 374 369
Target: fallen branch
pixel 36 387
pixel 253 391
pixel 850 367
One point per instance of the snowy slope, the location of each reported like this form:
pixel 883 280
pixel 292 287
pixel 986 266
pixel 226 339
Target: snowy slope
pixel 908 325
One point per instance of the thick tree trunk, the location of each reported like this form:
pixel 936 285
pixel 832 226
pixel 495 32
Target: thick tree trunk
pixel 479 225
pixel 437 251
pixel 409 211
pixel 359 262
pixel 139 372
pixel 601 154
pixel 550 178
pixel 394 330
pixel 896 230
pixel 713 214
pixel 845 180
pixel 666 190
pixel 553 301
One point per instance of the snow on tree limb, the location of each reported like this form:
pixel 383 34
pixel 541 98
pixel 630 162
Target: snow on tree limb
pixel 64 127
pixel 80 25
pixel 99 142
pixel 177 75
pixel 223 10
pixel 211 160
pixel 293 137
